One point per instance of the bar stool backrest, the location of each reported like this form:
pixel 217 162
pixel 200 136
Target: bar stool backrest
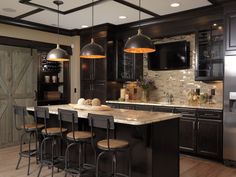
pixel 43 113
pixel 103 122
pixel 68 116
pixel 19 112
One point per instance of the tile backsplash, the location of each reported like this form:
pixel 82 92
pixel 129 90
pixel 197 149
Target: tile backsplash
pixel 180 82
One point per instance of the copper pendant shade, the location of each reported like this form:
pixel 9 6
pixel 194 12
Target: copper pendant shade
pixel 139 43
pixel 92 50
pixel 58 54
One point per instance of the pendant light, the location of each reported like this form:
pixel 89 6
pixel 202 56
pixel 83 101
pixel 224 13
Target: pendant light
pixel 92 50
pixel 58 54
pixel 139 43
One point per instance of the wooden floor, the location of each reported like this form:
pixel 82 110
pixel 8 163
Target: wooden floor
pixel 189 167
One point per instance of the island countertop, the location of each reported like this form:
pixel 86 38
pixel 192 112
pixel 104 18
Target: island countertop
pixel 123 116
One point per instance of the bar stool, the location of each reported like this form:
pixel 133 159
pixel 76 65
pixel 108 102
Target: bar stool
pixel 75 138
pixel 110 144
pixel 29 129
pixel 50 134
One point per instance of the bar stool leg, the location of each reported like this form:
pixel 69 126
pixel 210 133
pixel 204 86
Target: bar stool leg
pixel 29 154
pixel 20 154
pixel 130 165
pixel 114 164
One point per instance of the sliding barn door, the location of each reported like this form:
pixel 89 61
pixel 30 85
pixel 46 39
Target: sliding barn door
pixel 18 82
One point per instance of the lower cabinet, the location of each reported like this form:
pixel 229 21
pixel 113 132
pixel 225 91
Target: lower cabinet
pixel 200 130
pixel 187 135
pixel 209 138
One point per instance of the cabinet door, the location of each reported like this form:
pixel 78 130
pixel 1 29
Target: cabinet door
pixel 144 107
pixel 130 66
pixel 87 66
pixel 86 89
pixel 187 135
pixel 231 33
pixel 209 138
pixel 99 91
pixel 162 109
pixel 99 70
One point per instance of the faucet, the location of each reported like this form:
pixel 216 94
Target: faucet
pixel 169 97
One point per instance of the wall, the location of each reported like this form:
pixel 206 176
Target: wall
pixel 180 82
pixel 35 35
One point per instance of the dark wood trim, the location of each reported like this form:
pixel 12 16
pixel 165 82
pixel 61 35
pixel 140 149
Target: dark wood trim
pixel 213 2
pixel 32 25
pixel 29 13
pixel 41 46
pixel 137 8
pixel 27 2
pixel 179 16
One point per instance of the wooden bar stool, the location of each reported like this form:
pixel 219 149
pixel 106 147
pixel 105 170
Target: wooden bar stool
pixel 110 144
pixel 30 129
pixel 76 138
pixel 51 135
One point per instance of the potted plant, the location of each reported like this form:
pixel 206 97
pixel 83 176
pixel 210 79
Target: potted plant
pixel 146 85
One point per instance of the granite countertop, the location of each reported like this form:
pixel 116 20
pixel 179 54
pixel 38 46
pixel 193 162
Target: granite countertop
pixel 124 116
pixel 153 103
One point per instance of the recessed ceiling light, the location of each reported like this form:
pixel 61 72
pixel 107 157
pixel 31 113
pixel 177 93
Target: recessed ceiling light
pixel 84 26
pixel 10 10
pixel 214 24
pixel 122 17
pixel 175 4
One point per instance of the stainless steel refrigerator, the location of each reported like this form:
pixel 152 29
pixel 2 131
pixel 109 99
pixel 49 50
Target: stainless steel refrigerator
pixel 229 119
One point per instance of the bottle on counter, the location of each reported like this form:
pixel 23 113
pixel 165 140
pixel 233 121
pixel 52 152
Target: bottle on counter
pixel 127 97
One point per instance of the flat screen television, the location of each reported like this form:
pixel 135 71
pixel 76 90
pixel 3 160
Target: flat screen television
pixel 170 56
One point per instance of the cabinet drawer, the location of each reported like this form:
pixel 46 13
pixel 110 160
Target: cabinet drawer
pixel 186 112
pixel 210 114
pixel 126 106
pixel 113 105
pixel 162 109
pixel 144 107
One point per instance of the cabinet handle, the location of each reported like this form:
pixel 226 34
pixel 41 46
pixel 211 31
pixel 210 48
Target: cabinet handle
pixel 194 125
pixel 198 125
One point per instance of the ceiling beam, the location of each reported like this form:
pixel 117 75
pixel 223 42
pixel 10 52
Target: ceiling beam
pixel 29 13
pixel 137 8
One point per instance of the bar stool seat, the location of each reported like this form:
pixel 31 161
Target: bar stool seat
pixel 32 126
pixel 53 131
pixel 79 135
pixel 114 144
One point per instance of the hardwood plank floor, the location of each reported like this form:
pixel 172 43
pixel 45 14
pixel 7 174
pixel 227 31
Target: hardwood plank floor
pixel 189 166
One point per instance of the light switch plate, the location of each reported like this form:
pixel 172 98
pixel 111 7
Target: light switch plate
pixel 232 95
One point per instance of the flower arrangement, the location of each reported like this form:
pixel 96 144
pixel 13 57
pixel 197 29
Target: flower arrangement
pixel 146 84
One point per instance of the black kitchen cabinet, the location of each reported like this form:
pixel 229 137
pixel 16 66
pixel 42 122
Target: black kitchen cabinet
pixel 163 109
pixel 187 135
pixel 230 43
pixel 187 130
pixel 209 138
pixel 209 65
pixel 209 133
pixel 93 69
pixel 126 106
pixel 130 66
pixel 93 89
pixel 144 107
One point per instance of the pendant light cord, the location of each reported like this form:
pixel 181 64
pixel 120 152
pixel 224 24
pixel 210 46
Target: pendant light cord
pixel 139 14
pixel 58 24
pixel 92 19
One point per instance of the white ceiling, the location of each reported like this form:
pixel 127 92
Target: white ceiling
pixel 106 12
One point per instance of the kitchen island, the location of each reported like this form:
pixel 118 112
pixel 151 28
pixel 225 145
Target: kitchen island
pixel 153 136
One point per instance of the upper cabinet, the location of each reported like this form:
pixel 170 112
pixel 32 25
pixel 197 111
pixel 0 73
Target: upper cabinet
pixel 130 66
pixel 230 35
pixel 210 60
